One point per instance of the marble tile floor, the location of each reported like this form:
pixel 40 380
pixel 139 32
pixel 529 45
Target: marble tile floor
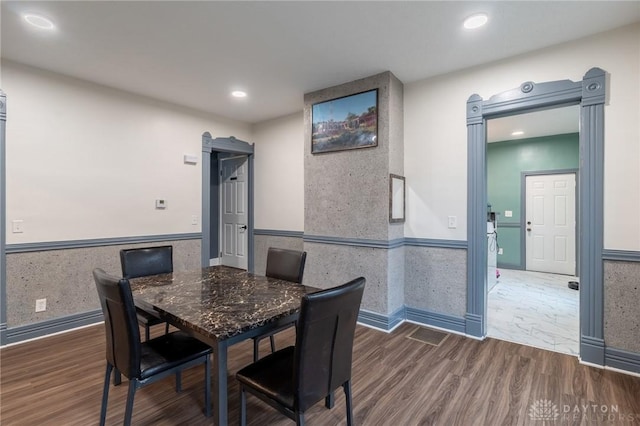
pixel 535 309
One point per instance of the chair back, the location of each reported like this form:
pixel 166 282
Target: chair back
pixel 120 322
pixel 141 262
pixel 324 342
pixel 286 264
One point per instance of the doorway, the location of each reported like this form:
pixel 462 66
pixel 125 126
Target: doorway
pixel 237 156
pixel 532 163
pixel 590 94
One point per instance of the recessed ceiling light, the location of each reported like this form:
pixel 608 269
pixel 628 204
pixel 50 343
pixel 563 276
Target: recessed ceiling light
pixel 476 21
pixel 239 94
pixel 38 21
pixel 517 133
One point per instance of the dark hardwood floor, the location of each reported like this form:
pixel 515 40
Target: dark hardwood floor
pixel 397 381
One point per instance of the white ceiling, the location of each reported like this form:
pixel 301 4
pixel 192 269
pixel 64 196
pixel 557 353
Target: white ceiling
pixel 557 121
pixel 193 53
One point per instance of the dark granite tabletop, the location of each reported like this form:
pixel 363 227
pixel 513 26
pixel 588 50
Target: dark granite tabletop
pixel 218 302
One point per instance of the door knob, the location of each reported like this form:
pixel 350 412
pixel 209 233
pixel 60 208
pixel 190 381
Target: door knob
pixel 243 227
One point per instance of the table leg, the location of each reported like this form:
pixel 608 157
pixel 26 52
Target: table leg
pixel 220 384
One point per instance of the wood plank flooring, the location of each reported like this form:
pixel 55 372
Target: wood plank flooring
pixel 396 381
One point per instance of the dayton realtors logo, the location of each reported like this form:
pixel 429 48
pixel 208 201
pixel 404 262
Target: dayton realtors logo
pixel 546 411
pixel 597 413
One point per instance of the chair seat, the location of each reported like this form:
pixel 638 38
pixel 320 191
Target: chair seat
pixel 168 351
pixel 147 318
pixel 272 376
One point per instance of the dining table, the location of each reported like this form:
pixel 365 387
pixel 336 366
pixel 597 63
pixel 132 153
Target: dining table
pixel 220 306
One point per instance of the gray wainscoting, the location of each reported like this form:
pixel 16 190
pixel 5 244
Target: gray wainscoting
pixel 621 305
pixel 432 282
pixel 329 265
pixel 61 273
pixel 436 279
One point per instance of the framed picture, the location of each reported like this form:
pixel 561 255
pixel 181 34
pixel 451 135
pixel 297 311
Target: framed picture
pixel 396 198
pixel 345 123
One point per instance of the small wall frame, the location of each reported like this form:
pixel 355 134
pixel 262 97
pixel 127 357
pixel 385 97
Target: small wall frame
pixel 396 199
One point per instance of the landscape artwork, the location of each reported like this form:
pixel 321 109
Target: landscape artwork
pixel 345 123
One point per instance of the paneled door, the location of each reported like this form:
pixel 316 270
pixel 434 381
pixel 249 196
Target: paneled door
pixel 233 209
pixel 550 231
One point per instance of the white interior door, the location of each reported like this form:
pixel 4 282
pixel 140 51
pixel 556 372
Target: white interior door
pixel 551 224
pixel 233 209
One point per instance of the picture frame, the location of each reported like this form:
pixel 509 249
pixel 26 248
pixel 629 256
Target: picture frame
pixel 396 198
pixel 349 122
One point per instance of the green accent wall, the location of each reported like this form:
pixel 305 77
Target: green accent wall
pixel 506 161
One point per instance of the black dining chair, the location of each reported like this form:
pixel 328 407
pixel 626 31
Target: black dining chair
pixel 142 362
pixel 141 262
pixel 295 378
pixel 285 265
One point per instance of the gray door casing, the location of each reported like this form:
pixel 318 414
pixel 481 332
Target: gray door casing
pixel 229 145
pixel 590 93
pixel 3 219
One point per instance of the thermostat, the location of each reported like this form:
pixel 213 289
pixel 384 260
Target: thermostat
pixel 161 204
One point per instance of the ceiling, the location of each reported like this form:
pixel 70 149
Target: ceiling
pixel 557 121
pixel 194 53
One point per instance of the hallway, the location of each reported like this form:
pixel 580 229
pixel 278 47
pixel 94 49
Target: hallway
pixel 535 309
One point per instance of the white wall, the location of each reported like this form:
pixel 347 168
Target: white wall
pixel 86 161
pixel 436 138
pixel 279 180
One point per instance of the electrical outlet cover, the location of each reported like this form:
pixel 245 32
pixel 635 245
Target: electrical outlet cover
pixel 41 305
pixel 17 226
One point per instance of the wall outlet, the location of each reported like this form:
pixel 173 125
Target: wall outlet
pixel 453 222
pixel 41 305
pixel 500 251
pixel 194 219
pixel 17 226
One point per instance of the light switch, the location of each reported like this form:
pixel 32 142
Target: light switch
pixel 190 159
pixel 453 222
pixel 508 213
